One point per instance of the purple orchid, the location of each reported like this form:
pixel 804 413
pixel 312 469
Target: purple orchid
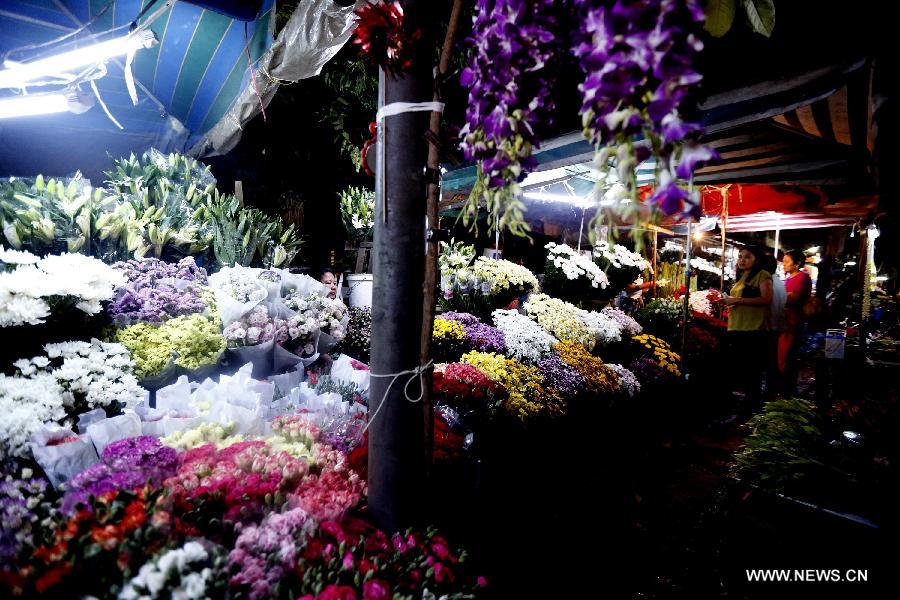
pixel 637 56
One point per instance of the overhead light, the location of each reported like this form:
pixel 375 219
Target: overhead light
pixel 20 74
pixel 850 263
pixel 698 235
pixel 882 278
pixel 812 249
pixel 44 104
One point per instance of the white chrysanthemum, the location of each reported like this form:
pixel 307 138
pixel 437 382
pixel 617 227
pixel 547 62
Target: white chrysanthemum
pixel 26 403
pixel 525 340
pixel 575 265
pixel 17 257
pixel 560 319
pixel 604 328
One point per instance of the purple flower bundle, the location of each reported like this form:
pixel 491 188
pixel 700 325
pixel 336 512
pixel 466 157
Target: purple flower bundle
pixel 509 91
pixel 479 336
pixel 646 370
pixel 148 271
pixel 23 505
pixel 157 291
pixel 564 378
pixel 637 56
pixel 125 465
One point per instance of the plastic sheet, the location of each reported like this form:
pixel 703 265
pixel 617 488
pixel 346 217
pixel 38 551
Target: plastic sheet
pixel 313 35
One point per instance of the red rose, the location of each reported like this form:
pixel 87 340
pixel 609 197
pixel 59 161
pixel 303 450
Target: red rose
pixel 51 578
pixel 376 589
pixel 337 592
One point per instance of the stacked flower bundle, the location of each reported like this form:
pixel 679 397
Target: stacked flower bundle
pixel 478 335
pixel 600 379
pixel 447 340
pixel 157 291
pixel 571 275
pixel 662 354
pixel 560 319
pixel 32 288
pixel 529 396
pixel 71 378
pixel 621 265
pixel 526 341
pixel 357 342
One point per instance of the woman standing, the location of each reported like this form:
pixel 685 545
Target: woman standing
pixel 749 303
pixel 799 289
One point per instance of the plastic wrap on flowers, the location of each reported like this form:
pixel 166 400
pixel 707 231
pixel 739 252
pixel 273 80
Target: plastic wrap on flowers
pixel 47 217
pixel 61 453
pixel 112 429
pixel 237 291
pixel 259 356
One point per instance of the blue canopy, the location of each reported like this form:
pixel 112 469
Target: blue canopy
pixel 185 84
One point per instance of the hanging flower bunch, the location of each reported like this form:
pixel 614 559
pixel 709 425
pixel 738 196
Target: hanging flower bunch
pixel 637 58
pixel 509 79
pixel 384 37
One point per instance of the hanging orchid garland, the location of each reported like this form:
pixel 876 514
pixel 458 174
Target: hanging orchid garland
pixel 637 57
pixel 509 96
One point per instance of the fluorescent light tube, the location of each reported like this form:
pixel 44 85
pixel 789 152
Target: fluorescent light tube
pixel 37 104
pixel 19 74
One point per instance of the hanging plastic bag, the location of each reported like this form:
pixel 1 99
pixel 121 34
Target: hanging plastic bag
pixel 61 453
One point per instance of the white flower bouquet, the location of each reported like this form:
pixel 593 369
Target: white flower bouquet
pixel 525 340
pixel 31 288
pixel 571 275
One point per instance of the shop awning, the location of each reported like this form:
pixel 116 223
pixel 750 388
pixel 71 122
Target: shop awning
pixel 192 87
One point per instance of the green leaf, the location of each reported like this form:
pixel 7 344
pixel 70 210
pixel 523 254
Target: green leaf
pixel 719 16
pixel 760 16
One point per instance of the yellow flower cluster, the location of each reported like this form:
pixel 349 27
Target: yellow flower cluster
pixel 600 378
pixel 193 340
pixel 446 329
pixel 528 396
pixel 560 319
pixel 447 340
pixel 663 354
pixel 503 274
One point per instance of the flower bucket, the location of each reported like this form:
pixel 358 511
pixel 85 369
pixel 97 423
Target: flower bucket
pixel 361 285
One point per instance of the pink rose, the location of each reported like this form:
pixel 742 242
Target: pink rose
pixel 337 592
pixel 376 589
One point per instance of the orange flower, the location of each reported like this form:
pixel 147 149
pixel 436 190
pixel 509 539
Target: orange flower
pixel 108 537
pixel 134 515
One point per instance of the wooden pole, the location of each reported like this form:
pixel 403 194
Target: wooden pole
pixel 723 225
pixel 653 275
pixel 432 249
pixel 396 438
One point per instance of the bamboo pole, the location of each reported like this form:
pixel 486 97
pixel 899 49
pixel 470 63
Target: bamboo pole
pixel 432 249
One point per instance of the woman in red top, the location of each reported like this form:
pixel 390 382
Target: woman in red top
pixel 799 288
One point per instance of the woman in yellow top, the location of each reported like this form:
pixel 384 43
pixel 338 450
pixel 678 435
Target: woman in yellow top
pixel 749 302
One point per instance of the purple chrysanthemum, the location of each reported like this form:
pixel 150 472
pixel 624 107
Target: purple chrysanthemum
pixel 561 376
pixel 126 464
